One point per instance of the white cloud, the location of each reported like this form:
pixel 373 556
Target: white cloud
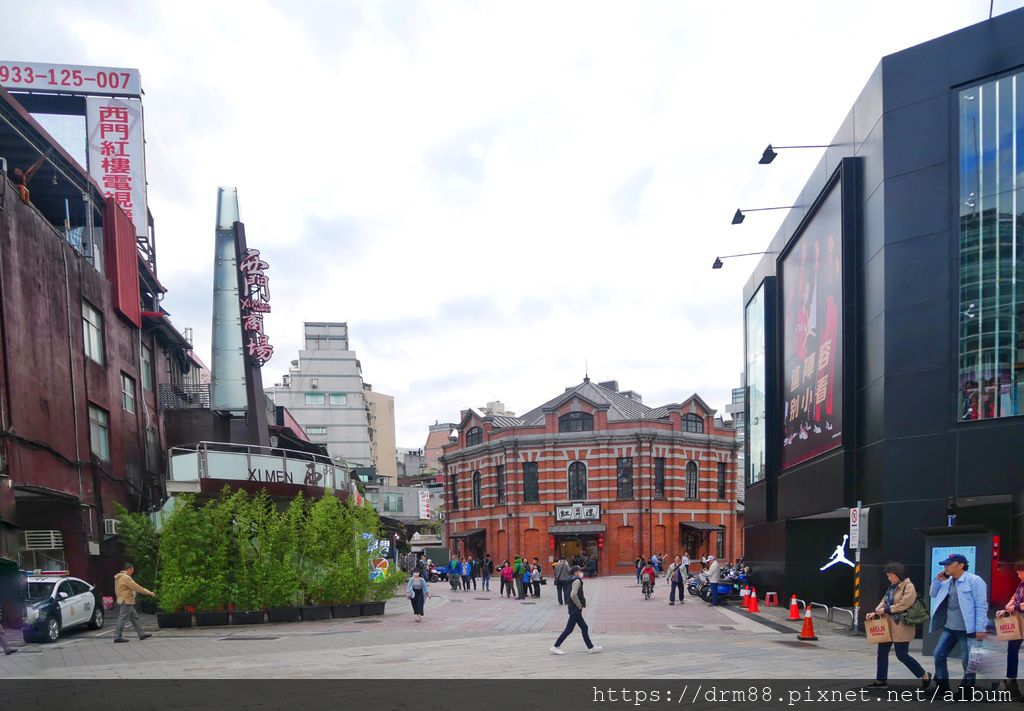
pixel 488 193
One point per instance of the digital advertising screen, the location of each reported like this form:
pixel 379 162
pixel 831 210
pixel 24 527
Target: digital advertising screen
pixel 940 553
pixel 812 336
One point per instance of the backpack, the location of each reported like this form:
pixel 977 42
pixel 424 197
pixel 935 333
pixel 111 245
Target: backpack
pixel 677 574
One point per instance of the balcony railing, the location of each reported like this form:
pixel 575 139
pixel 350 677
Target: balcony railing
pixel 241 462
pixel 183 397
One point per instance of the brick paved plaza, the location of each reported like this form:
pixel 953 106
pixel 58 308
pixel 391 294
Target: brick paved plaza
pixel 476 635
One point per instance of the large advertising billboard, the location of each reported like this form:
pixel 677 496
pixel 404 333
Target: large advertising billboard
pixel 812 328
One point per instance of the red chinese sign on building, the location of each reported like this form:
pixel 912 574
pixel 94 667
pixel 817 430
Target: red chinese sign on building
pixel 255 302
pixel 116 154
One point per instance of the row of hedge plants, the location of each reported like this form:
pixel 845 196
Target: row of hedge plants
pixel 241 559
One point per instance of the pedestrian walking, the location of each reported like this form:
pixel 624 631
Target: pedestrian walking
pixel 536 575
pixel 685 562
pixel 960 600
pixel 592 567
pixel 519 569
pixel 714 572
pixel 1015 605
pixel 576 603
pixel 676 578
pixel 417 590
pixel 900 595
pixel 639 563
pixel 454 574
pixel 126 588
pixel 486 571
pixel 507 578
pixel 466 569
pixel 8 651
pixel 563 577
pixel 410 562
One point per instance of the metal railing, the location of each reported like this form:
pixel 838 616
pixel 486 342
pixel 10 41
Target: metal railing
pixel 183 397
pixel 246 462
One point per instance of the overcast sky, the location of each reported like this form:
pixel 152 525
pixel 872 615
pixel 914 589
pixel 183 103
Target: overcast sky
pixel 490 194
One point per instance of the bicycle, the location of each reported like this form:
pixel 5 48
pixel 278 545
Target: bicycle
pixel 648 588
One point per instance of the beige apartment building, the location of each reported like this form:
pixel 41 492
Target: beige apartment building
pixel 381 414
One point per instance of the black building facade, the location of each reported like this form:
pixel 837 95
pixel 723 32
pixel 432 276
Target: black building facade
pixel 884 332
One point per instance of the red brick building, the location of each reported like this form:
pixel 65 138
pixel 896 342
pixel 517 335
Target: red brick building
pixel 594 472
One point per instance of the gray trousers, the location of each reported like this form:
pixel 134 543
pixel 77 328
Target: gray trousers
pixel 126 614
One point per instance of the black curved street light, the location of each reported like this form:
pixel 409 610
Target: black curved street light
pixel 769 153
pixel 718 260
pixel 738 217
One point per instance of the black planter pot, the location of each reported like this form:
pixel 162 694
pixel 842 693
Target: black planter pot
pixel 212 618
pixel 316 612
pixel 283 614
pixel 346 610
pixel 372 608
pixel 166 620
pixel 251 617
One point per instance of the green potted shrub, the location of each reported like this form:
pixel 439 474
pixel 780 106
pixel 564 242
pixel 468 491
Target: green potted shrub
pixel 382 589
pixel 141 545
pixel 179 560
pixel 279 551
pixel 247 589
pixel 320 534
pixel 214 535
pixel 367 534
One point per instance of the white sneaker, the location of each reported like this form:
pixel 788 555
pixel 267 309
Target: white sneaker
pixel 556 650
pixel 594 650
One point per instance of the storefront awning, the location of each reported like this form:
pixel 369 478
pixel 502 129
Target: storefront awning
pixel 700 526
pixel 579 528
pixel 467 534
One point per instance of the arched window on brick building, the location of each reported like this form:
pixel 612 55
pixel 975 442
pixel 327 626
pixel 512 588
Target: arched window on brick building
pixel 475 436
pixel 693 423
pixel 577 481
pixel 477 491
pixel 691 481
pixel 576 422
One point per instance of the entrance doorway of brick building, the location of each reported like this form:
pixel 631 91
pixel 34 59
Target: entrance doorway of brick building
pixel 576 549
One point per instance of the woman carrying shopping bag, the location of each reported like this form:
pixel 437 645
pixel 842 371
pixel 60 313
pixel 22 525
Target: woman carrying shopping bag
pixel 896 606
pixel 1014 607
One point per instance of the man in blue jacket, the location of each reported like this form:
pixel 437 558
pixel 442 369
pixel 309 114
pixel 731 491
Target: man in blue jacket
pixel 961 613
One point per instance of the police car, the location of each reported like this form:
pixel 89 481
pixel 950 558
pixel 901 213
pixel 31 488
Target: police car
pixel 55 602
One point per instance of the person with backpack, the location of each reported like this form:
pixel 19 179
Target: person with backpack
pixel 896 602
pixel 526 579
pixel 677 578
pixel 507 576
pixel 454 574
pixel 648 574
pixel 519 569
pixel 563 577
pixel 576 602
pixel 486 570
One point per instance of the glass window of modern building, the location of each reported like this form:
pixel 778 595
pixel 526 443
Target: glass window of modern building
pixel 755 379
pixel 990 204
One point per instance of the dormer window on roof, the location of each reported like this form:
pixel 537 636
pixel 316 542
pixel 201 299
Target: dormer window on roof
pixel 474 436
pixel 576 422
pixel 693 423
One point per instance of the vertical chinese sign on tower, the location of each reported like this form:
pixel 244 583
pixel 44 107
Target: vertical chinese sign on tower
pixel 255 302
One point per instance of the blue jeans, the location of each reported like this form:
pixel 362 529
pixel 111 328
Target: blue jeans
pixel 486 583
pixel 672 592
pixel 714 594
pixel 903 654
pixel 1012 657
pixel 948 640
pixel 575 620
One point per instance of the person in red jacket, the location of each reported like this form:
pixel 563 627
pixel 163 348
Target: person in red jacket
pixel 648 575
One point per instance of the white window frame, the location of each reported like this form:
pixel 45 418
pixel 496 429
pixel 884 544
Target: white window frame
pixel 148 376
pixel 343 399
pixel 312 399
pixel 92 332
pixel 99 432
pixel 128 400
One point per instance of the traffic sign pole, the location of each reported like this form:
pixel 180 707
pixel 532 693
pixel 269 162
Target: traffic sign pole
pixel 855 519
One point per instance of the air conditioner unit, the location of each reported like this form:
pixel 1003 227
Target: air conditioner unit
pixel 43 540
pixel 110 526
pixel 314 383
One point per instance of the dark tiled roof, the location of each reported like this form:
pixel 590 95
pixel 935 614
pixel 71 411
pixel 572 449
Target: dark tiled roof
pixel 499 421
pixel 620 407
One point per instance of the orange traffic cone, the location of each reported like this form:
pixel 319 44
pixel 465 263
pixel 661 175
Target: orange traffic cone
pixel 794 610
pixel 745 597
pixel 753 601
pixel 807 633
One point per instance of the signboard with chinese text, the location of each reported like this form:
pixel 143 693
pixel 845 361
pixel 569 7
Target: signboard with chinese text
pixel 812 334
pixel 254 301
pixel 116 154
pixel 578 512
pixel 424 497
pixel 69 79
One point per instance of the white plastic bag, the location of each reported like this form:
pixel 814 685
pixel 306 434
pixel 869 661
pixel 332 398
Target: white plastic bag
pixel 976 656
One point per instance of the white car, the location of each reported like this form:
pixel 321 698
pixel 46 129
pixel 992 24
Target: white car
pixel 56 603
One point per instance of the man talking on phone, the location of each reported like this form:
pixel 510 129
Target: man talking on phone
pixel 961 613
